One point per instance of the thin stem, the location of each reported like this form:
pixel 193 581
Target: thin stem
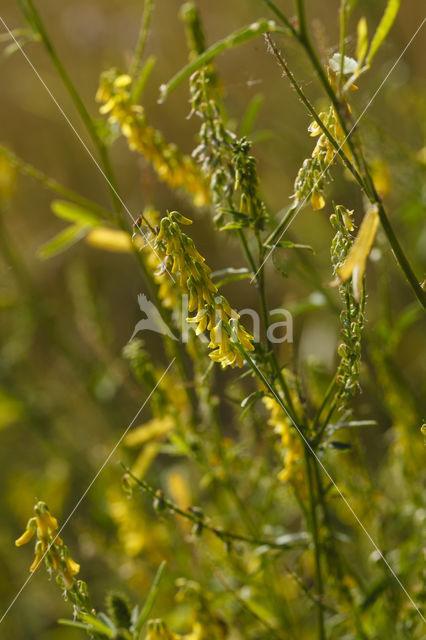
pixel 80 106
pixel 343 30
pixel 301 16
pixel 327 396
pixel 317 548
pixel 142 38
pixel 366 184
pixel 52 185
pixel 279 14
pixel 282 63
pixel 222 534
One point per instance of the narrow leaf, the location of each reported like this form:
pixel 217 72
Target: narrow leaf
pixel 362 41
pixel 234 39
pixel 142 79
pixel 384 27
pixel 343 446
pixel 64 240
pixel 73 623
pixel 251 114
pixel 253 397
pixel 74 213
pixel 287 244
pixel 152 595
pixel 97 625
pixel 233 226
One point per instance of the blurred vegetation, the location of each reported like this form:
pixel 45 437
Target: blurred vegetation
pixel 70 383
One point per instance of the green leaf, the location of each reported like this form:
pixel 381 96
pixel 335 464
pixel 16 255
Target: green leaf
pixel 73 623
pixel 151 597
pixel 142 79
pixel 353 424
pixel 362 40
pixel 384 27
pixel 63 241
pixel 251 114
pixel 251 400
pixel 96 625
pixel 231 275
pixel 234 39
pixel 253 397
pixel 342 446
pixel 287 244
pixel 75 213
pixel 233 226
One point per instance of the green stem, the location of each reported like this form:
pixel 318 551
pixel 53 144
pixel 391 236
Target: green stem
pixel 338 147
pixel 217 531
pixel 366 183
pixel 142 38
pixel 301 15
pixel 327 396
pixel 80 106
pixel 279 14
pixel 52 185
pixel 343 30
pixel 233 40
pixel 317 548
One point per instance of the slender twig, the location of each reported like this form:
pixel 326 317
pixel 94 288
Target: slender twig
pixel 343 28
pixel 366 183
pixel 222 534
pixel 287 72
pixel 142 38
pixel 316 541
pixel 52 185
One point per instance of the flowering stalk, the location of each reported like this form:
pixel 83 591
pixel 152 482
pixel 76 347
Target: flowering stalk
pixel 50 548
pixel 214 314
pixel 171 166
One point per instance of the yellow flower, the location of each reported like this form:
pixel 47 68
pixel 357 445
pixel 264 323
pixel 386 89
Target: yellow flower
pixel 317 201
pixel 28 533
pixel 49 545
pixel 291 446
pixel 38 557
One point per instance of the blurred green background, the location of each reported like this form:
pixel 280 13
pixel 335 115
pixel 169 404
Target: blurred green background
pixel 66 393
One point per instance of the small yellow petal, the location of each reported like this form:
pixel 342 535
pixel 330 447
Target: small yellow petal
pixel 317 201
pixel 72 566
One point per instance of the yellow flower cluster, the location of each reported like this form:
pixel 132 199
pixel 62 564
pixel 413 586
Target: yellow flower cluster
pixel 292 446
pixel 214 314
pixel 170 164
pixel 314 173
pixel 166 290
pixel 49 545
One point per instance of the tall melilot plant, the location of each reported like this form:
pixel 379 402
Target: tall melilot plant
pixel 283 520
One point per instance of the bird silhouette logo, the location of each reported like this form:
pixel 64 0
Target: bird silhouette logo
pixel 153 320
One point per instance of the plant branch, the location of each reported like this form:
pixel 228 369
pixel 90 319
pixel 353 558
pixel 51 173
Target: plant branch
pixel 222 534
